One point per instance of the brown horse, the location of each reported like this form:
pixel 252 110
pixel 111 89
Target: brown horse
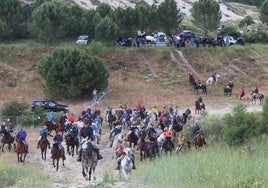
pixel 21 150
pixel 44 143
pixel 226 91
pixel 7 139
pixel 199 108
pixel 111 120
pixel 142 145
pixel 72 141
pixel 50 126
pixel 56 154
pixel 60 127
pixel 199 140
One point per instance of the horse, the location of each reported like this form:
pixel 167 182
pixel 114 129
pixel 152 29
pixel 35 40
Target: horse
pixel 185 147
pixel 50 126
pixel 226 91
pixel 89 160
pixel 199 140
pixel 160 141
pixel 168 146
pixel 7 139
pixel 111 120
pixel 177 123
pixel 254 96
pixel 60 127
pixel 56 154
pixel 202 87
pixel 72 141
pixel 21 150
pixel 191 80
pixel 43 144
pixel 152 149
pixel 199 108
pixel 118 139
pixel 126 164
pixel 142 145
pixel 211 80
pixel 133 139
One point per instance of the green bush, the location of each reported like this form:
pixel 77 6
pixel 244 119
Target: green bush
pixel 256 37
pixel 231 31
pixel 239 126
pixel 14 108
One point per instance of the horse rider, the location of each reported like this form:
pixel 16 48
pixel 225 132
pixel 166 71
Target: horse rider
pixel 133 128
pixel 122 152
pixel 181 141
pixel 3 126
pixel 11 129
pixel 200 101
pixel 176 112
pixel 159 130
pixel 42 132
pixel 188 111
pixel 71 118
pixel 169 134
pixel 22 134
pixel 126 118
pixel 229 84
pixel 87 132
pixel 196 130
pixel 214 76
pixel 115 131
pixel 242 93
pixel 256 90
pixel 58 139
pixel 51 118
pixel 199 83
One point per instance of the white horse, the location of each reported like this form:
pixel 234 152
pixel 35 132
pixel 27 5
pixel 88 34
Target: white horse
pixel 160 141
pixel 211 81
pixel 116 143
pixel 126 164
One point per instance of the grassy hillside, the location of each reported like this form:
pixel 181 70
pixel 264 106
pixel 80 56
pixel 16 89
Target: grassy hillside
pixel 132 70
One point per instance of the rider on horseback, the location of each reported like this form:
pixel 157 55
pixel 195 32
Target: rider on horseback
pixel 51 118
pixel 11 129
pixel 200 101
pixel 169 134
pixel 196 130
pixel 87 132
pixel 22 134
pixel 229 84
pixel 256 90
pixel 58 139
pixel 122 152
pixel 42 132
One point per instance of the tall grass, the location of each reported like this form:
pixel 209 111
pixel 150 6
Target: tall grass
pixel 215 166
pixel 21 176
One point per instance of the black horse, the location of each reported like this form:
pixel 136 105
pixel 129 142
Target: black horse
pixel 133 139
pixel 72 141
pixel 226 91
pixel 202 87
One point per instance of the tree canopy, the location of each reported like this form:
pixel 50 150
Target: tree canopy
pixel 264 12
pixel 206 15
pixel 71 73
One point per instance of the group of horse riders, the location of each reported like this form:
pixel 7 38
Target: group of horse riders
pixel 10 129
pixel 136 124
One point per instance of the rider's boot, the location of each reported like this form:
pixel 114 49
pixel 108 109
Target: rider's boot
pixel 98 154
pixel 118 165
pixel 49 145
pixel 38 144
pixel 26 149
pixel 79 156
pixel 134 167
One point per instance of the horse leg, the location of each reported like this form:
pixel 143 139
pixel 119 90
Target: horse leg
pixel 18 158
pixel 89 174
pixel 57 167
pixel 54 163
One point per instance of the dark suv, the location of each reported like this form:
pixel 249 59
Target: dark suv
pixel 50 105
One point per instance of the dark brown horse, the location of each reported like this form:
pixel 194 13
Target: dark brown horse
pixel 226 91
pixel 50 126
pixel 21 150
pixel 72 141
pixel 43 144
pixel 191 80
pixel 199 140
pixel 7 139
pixel 111 120
pixel 199 108
pixel 56 154
pixel 60 127
pixel 142 145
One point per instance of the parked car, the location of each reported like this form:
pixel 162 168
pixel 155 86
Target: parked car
pixel 229 40
pixel 83 39
pixel 49 105
pixel 124 41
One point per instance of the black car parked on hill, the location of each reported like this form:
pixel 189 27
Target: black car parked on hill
pixel 49 105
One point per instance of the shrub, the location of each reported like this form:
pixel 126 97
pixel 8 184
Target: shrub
pixel 231 31
pixel 239 126
pixel 14 108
